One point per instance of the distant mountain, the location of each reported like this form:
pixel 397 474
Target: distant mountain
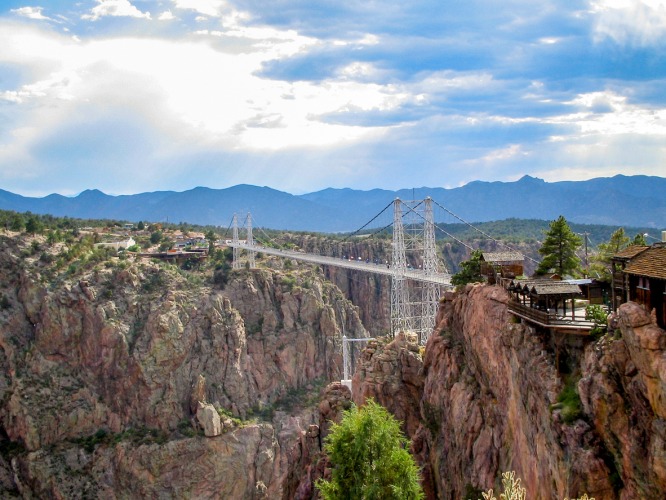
pixel 638 201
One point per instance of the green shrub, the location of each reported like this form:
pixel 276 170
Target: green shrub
pixel 598 316
pixel 568 401
pixel 369 459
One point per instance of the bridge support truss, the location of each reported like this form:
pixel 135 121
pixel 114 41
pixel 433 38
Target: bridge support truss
pixel 346 359
pixel 414 304
pixel 239 259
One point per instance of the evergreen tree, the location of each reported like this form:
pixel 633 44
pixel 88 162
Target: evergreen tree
pixel 470 270
pixel 16 222
pixel 367 451
pixel 34 225
pixel 211 237
pixel 639 239
pixel 602 260
pixel 559 249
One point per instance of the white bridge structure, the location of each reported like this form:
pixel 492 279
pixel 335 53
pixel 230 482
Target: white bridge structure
pixel 415 292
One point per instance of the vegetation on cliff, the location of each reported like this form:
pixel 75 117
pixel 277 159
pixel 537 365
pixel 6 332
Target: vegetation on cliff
pixel 367 451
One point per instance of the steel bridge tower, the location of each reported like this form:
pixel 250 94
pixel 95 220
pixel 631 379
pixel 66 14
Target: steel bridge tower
pixel 414 304
pixel 238 261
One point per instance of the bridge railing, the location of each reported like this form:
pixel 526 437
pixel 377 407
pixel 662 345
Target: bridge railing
pixel 377 268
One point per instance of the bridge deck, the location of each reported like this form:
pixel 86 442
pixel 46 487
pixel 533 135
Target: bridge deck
pixel 411 274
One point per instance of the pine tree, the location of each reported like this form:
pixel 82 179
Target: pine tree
pixel 559 249
pixel 367 451
pixel 470 270
pixel 605 251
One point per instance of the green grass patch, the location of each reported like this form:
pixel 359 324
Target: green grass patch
pixel 568 401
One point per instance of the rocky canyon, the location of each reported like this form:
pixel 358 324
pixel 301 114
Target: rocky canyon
pixel 129 378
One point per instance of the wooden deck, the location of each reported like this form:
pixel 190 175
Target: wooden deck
pixel 551 320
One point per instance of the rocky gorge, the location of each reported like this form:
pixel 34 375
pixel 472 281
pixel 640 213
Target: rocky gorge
pixel 124 378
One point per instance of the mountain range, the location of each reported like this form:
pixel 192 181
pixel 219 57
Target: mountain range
pixel 638 201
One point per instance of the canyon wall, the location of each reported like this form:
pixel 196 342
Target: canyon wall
pixel 122 378
pixel 484 399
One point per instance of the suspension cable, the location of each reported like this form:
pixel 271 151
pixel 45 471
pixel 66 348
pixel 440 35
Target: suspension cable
pixel 499 242
pixel 437 227
pixel 367 223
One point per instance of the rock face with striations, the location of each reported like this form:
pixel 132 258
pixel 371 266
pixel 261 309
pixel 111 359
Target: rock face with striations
pixel 488 403
pixel 111 374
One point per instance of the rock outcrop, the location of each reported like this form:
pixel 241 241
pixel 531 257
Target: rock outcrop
pixel 488 402
pixel 624 394
pixel 118 371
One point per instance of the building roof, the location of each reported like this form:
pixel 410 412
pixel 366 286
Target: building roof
pixel 546 286
pixel 554 288
pixel 501 257
pixel 630 252
pixel 651 263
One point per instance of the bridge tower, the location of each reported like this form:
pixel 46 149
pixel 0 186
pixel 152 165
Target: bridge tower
pixel 414 304
pixel 237 262
pixel 250 240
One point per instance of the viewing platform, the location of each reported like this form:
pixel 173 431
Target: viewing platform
pixel 549 304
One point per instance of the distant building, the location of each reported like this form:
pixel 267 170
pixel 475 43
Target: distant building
pixel 124 244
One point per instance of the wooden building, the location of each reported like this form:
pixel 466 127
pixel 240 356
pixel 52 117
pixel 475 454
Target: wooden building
pixel 501 265
pixel 620 281
pixel 547 303
pixel 645 281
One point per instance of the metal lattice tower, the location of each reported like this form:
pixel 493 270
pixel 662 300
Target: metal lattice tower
pixel 400 313
pixel 250 240
pixel 348 369
pixel 431 265
pixel 414 305
pixel 237 262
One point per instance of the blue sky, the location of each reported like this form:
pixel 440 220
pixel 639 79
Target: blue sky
pixel 130 96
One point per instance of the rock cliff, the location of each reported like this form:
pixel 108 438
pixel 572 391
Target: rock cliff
pixel 486 401
pixel 122 378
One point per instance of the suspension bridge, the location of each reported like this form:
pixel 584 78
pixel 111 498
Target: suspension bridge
pixel 415 289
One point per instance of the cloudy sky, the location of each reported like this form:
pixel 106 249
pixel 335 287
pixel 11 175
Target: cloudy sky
pixel 130 96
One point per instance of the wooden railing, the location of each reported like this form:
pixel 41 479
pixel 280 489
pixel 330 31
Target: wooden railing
pixel 542 317
pixel 550 319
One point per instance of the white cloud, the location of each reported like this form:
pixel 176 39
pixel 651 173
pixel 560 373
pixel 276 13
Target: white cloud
pixel 115 8
pixel 166 16
pixel 32 13
pixel 212 8
pixel 189 91
pixel 633 22
pixel 608 113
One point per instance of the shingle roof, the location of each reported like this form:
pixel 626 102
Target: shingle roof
pixel 554 288
pixel 651 263
pixel 630 252
pixel 503 256
pixel 547 287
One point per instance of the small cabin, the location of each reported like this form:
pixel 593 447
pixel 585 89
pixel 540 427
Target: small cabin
pixel 620 281
pixel 645 276
pixel 502 264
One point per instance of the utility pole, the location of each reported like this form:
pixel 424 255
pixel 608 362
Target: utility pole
pixel 586 262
